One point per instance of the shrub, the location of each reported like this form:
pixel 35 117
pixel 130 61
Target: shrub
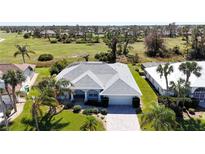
pixel 104 56
pixel 45 57
pixel 136 102
pixel 103 111
pixel 104 101
pixel 27 35
pixel 76 109
pixel 176 50
pixel 87 111
pixel 95 110
pixel 137 69
pixel 133 58
pixel 58 66
pixel 176 104
pixel 141 73
pixel 68 105
pixel 53 41
pixel 138 110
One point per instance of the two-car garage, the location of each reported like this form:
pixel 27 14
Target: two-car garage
pixel 120 100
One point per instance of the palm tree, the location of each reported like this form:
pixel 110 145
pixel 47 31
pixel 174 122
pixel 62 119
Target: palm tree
pixel 59 87
pixel 3 106
pixel 165 71
pixel 90 124
pixel 36 111
pixel 23 51
pixel 160 118
pixel 6 85
pixel 180 88
pixel 189 68
pixel 13 78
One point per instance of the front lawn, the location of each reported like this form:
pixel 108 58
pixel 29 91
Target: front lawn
pixel 65 120
pixel 148 98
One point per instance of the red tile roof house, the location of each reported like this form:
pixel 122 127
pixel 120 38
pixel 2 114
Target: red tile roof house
pixel 23 88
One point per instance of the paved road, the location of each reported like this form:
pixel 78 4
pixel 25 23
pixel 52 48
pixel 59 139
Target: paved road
pixel 122 118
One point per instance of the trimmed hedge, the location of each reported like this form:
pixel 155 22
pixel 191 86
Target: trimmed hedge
pixel 90 111
pixel 45 57
pixel 76 109
pixel 103 111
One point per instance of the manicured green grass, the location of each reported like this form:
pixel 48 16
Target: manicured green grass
pixel 42 73
pixel 65 120
pixel 148 98
pixel 73 50
pixel 40 46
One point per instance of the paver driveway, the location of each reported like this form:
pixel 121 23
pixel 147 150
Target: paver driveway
pixel 122 118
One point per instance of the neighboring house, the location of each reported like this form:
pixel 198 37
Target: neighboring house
pixel 46 33
pixel 28 71
pixel 94 80
pixel 197 84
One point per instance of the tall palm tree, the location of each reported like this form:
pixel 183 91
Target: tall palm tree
pixel 180 88
pixel 13 78
pixel 160 118
pixel 23 51
pixel 36 111
pixel 3 106
pixel 6 85
pixel 165 71
pixel 59 87
pixel 189 68
pixel 90 124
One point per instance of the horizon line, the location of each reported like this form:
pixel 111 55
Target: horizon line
pixel 94 23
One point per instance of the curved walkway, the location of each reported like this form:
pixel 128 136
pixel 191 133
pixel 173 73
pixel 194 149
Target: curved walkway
pixel 122 118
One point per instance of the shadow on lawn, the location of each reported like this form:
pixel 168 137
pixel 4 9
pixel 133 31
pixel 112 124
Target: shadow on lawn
pixel 192 125
pixel 45 124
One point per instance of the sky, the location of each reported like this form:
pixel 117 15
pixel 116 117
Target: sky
pixel 101 12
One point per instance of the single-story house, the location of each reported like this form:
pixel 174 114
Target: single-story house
pixel 94 80
pixel 197 84
pixel 46 33
pixel 28 71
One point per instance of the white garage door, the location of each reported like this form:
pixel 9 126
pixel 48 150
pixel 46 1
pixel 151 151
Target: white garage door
pixel 120 100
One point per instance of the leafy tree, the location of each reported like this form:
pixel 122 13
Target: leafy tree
pixel 189 68
pixel 197 50
pixel 13 78
pixel 23 51
pixel 90 124
pixel 154 44
pixel 165 71
pixel 58 66
pixel 160 118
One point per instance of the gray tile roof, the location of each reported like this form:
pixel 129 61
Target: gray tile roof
pixel 119 87
pixel 113 79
